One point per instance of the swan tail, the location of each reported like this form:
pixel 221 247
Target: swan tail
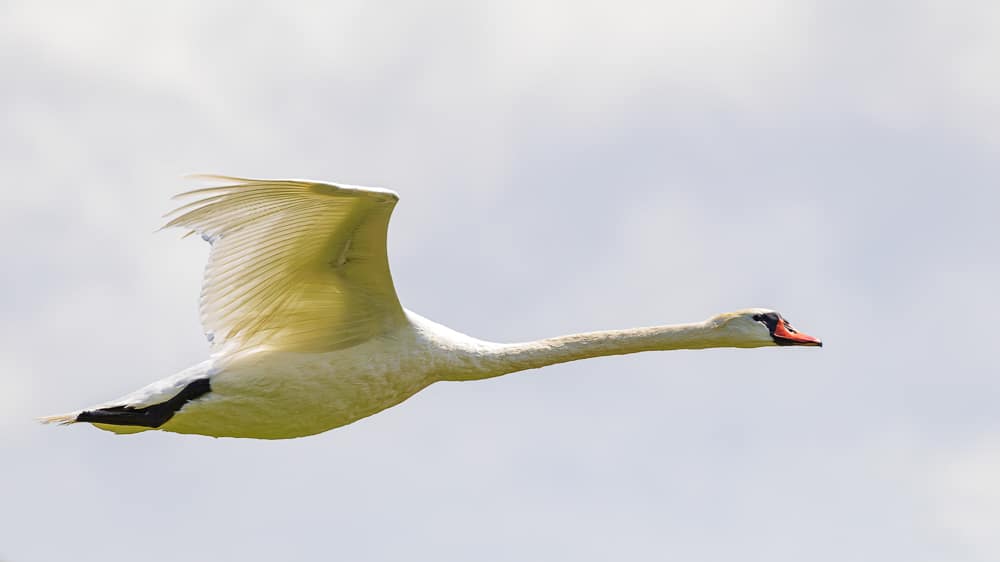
pixel 61 419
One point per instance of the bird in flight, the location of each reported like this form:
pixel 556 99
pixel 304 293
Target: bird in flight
pixel 307 334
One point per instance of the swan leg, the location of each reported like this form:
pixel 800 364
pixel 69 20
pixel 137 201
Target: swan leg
pixel 148 416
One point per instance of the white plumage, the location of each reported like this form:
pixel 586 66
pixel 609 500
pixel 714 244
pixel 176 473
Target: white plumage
pixel 307 333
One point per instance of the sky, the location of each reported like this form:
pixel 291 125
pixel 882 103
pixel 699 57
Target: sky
pixel 562 167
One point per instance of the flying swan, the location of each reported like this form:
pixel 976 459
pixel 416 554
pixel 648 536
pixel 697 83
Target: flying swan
pixel 307 334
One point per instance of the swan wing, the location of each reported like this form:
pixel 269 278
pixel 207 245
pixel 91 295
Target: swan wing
pixel 295 265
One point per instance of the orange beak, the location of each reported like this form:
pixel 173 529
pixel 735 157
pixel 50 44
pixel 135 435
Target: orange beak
pixel 784 335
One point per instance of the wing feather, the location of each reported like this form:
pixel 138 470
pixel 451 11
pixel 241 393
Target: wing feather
pixel 295 265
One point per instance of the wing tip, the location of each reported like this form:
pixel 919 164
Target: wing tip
pixel 237 181
pixel 215 178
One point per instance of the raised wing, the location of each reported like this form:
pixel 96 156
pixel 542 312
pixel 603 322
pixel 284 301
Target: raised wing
pixel 295 265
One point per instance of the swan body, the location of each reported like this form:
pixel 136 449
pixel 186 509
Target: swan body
pixel 307 334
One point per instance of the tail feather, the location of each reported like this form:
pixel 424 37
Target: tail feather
pixel 61 419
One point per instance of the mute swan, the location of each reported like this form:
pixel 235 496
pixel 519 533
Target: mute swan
pixel 307 334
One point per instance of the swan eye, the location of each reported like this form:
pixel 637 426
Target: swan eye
pixel 769 319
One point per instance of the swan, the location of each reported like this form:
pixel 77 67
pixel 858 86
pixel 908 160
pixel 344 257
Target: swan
pixel 307 334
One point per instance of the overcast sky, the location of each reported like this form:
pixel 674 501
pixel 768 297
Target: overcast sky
pixel 562 167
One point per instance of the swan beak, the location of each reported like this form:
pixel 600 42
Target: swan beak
pixel 785 336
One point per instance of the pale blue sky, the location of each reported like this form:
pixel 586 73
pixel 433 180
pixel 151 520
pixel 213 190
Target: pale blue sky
pixel 561 168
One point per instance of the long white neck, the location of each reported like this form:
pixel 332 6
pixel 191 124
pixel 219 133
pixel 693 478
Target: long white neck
pixel 477 359
pixel 509 358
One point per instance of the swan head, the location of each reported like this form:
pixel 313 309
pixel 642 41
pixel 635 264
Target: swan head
pixel 760 327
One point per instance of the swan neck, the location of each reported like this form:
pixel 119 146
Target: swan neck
pixel 508 358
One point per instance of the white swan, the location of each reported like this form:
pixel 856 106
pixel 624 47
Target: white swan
pixel 307 333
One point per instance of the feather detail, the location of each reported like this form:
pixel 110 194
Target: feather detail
pixel 61 419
